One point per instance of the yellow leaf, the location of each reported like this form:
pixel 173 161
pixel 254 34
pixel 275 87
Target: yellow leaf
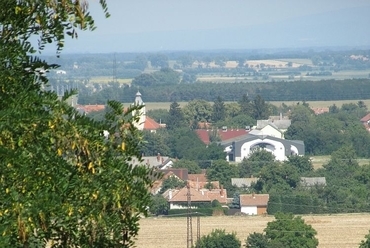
pixel 7 190
pixel 18 9
pixel 123 146
pixel 59 152
pixel 90 166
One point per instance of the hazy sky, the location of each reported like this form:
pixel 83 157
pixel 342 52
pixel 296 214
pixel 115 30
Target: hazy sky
pixel 146 24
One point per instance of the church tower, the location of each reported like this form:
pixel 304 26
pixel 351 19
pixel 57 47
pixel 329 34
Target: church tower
pixel 141 112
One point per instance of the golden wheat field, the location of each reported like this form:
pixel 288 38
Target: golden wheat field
pixel 333 231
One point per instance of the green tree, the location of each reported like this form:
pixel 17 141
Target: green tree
pixel 172 182
pixel 218 239
pixel 256 240
pixel 302 163
pixel 261 109
pixel 290 232
pixel 63 180
pixel 365 243
pixel 192 166
pixel 158 60
pixel 155 143
pixel 197 110
pixel 246 107
pixel 144 79
pixel 175 117
pixel 253 165
pixel 159 205
pixel 222 171
pixel 219 111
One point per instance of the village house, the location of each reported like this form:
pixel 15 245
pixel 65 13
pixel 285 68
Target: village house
pixel 178 199
pixel 312 181
pixel 366 121
pixel 243 182
pixel 254 204
pixel 241 147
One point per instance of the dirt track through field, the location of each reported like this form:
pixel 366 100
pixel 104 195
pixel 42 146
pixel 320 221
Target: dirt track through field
pixel 333 231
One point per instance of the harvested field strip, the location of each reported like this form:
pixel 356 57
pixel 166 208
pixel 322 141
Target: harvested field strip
pixel 342 230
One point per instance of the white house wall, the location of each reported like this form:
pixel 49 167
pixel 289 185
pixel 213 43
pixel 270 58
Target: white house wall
pixel 279 151
pixel 270 131
pixel 250 210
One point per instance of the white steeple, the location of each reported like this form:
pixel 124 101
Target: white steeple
pixel 141 112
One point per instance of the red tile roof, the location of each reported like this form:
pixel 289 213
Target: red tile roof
pixel 366 118
pixel 320 110
pixel 150 124
pixel 254 199
pixel 90 108
pixel 200 195
pixel 204 135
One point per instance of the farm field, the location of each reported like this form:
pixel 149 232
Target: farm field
pixel 104 80
pixel 333 231
pixel 319 161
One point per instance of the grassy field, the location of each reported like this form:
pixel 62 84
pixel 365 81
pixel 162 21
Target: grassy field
pixel 333 231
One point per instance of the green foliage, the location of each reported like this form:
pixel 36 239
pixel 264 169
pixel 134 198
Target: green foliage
pixel 172 182
pixel 165 76
pixel 236 201
pixel 159 115
pixel 175 117
pixel 261 109
pixel 159 205
pixel 257 240
pixel 302 163
pixel 219 111
pixel 155 143
pixel 253 165
pixel 290 232
pixel 218 239
pixel 63 181
pixel 276 177
pixel 365 243
pixel 197 110
pixel 205 211
pixel 222 171
pixel 192 166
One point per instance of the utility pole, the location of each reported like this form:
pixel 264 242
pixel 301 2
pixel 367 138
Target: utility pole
pixel 189 220
pixel 198 228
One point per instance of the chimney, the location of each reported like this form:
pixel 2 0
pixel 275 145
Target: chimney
pixel 162 160
pixel 222 190
pixel 253 195
pixel 281 116
pixel 170 194
pixel 158 157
